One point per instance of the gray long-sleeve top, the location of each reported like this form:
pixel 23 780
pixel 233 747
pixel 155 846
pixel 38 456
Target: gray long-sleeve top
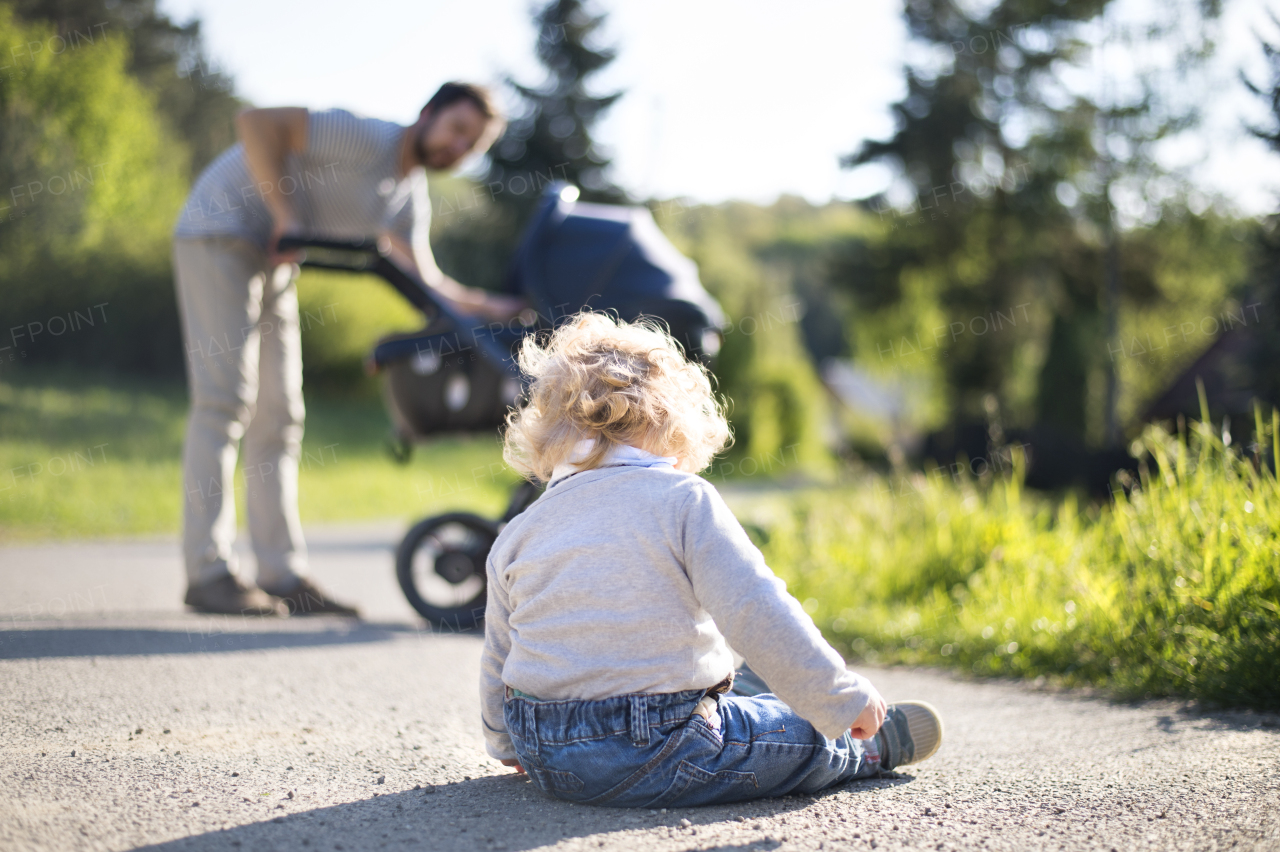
pixel 628 579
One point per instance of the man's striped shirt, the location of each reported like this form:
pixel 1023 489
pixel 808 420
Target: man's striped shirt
pixel 343 185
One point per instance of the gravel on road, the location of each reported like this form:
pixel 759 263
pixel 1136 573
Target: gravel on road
pixel 163 730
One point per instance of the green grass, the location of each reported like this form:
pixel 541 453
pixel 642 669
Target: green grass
pixel 87 456
pixel 1172 590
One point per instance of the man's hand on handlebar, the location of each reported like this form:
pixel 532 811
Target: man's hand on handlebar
pixel 467 301
pixel 477 302
pixel 472 301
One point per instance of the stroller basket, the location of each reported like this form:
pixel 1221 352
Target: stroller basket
pixel 435 383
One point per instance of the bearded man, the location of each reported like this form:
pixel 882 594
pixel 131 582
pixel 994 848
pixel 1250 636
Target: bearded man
pixel 328 174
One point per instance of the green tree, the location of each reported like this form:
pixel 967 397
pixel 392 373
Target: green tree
pixel 95 181
pixel 548 139
pixel 1013 177
pixel 196 100
pixel 550 135
pixel 1265 354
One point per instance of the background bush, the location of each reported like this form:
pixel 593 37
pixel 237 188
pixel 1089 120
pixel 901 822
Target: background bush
pixel 1173 589
pixel 93 181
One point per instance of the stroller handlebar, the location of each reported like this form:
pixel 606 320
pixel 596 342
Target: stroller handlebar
pixel 366 245
pixel 345 255
pixel 365 255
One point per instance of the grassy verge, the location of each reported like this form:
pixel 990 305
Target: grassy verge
pixel 86 456
pixel 1174 589
pixel 91 457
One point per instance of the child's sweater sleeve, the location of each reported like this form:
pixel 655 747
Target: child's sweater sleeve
pixel 764 623
pixel 497 644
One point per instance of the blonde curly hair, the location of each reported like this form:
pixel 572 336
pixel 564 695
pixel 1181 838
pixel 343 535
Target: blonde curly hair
pixel 619 383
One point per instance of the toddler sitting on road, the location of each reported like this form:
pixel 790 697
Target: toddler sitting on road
pixel 607 676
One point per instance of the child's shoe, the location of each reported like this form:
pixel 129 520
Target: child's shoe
pixel 912 731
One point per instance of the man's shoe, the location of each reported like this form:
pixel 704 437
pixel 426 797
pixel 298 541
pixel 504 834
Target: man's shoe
pixel 306 599
pixel 228 596
pixel 912 731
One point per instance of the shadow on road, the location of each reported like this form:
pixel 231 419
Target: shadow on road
pixel 496 812
pixel 1196 718
pixel 203 636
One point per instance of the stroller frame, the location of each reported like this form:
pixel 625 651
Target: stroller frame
pixel 447 553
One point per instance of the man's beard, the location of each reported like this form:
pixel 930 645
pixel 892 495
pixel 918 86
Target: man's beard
pixel 420 143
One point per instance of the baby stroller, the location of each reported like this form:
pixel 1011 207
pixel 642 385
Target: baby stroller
pixel 458 374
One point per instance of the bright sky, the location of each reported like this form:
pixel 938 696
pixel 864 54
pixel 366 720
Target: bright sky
pixel 725 98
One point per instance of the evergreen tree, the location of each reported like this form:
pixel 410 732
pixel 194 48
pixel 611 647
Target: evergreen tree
pixel 549 138
pixel 1265 348
pixel 1014 175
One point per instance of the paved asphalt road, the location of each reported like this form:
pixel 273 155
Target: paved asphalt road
pixel 126 723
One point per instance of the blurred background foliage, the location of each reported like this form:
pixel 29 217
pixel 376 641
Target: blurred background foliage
pixel 1026 191
pixel 1033 293
pixel 1034 271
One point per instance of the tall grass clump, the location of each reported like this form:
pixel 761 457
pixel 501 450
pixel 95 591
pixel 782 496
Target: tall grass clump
pixel 1171 589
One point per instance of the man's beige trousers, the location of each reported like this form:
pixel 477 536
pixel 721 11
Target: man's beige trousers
pixel 244 369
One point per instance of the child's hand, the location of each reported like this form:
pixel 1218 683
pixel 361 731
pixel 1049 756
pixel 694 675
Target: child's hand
pixel 511 761
pixel 868 721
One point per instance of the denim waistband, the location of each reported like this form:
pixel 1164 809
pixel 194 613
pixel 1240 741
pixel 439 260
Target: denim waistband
pixel 562 721
pixel 720 688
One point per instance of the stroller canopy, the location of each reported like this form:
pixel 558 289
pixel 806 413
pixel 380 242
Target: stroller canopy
pixel 573 256
pixel 577 256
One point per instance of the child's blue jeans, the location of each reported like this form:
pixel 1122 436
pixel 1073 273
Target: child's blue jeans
pixel 654 751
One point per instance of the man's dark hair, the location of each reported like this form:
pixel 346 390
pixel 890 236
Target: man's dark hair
pixel 452 92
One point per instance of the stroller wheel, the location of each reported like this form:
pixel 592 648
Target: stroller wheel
pixel 441 568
